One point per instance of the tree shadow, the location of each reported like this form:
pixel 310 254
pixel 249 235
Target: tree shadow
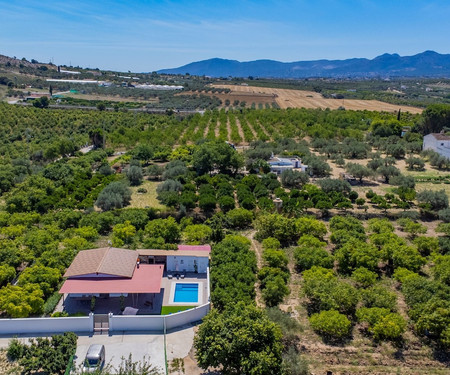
pixel 442 355
pixel 341 342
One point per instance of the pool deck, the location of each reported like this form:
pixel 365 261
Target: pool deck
pixel 190 278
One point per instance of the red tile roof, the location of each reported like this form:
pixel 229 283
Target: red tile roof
pixel 106 260
pixel 146 279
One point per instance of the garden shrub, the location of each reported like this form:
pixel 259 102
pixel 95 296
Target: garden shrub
pixel 331 324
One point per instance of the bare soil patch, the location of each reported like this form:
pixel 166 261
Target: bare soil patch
pixel 7 367
pixel 228 129
pixel 205 133
pixel 241 132
pixel 217 128
pixel 256 247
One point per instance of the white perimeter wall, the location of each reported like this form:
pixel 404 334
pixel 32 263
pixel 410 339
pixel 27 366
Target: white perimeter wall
pixel 47 325
pixel 156 322
pixel 116 322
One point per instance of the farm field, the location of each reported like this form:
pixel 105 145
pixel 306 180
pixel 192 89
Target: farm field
pixel 260 99
pixel 111 98
pixel 287 98
pixel 359 355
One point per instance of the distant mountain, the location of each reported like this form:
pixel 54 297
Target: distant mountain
pixel 425 64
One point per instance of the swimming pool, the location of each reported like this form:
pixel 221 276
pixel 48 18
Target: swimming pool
pixel 186 293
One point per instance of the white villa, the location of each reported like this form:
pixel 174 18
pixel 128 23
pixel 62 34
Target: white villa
pixel 145 279
pixel 437 142
pixel 280 164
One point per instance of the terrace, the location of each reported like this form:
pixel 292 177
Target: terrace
pixel 145 303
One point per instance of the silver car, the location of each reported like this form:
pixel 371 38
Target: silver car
pixel 95 358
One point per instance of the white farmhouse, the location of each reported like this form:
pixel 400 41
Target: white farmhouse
pixel 279 164
pixel 437 142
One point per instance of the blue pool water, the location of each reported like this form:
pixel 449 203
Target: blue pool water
pixel 186 293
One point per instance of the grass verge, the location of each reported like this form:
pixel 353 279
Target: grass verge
pixel 166 310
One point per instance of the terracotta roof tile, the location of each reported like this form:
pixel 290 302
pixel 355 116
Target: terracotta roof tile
pixel 146 279
pixel 108 261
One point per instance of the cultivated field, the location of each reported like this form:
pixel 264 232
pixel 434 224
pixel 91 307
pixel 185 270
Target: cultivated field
pixel 111 98
pixel 287 98
pixel 259 98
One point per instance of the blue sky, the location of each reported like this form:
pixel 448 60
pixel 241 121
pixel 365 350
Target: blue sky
pixel 150 35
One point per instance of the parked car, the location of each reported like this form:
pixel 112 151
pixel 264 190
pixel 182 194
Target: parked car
pixel 95 358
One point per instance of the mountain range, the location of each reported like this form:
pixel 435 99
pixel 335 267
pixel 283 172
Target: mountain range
pixel 425 64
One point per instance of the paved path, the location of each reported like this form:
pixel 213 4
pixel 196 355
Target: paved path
pixel 141 346
pixel 179 342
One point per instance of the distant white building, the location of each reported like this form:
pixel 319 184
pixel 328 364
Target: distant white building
pixel 437 142
pixel 68 72
pixel 279 164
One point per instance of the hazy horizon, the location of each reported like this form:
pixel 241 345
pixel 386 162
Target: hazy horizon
pixel 144 36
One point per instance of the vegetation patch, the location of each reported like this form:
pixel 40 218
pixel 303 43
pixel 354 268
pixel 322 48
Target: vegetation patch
pixel 147 198
pixel 167 310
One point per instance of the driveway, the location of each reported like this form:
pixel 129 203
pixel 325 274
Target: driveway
pixel 140 344
pixel 145 345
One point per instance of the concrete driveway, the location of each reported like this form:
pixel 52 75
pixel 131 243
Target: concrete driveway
pixel 141 345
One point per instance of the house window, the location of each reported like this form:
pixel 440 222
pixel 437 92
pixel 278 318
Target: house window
pixel 181 261
pixel 442 144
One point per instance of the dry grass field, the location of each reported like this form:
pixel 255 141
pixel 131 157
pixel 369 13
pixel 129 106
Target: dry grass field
pixel 148 199
pixel 287 98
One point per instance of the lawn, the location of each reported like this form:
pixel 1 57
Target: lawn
pixel 166 310
pixel 148 199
